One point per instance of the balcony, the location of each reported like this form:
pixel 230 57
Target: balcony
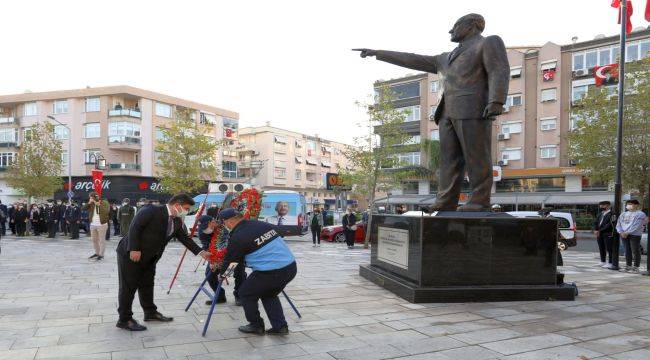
pixel 132 113
pixel 124 166
pixel 119 142
pixel 8 120
pixel 8 143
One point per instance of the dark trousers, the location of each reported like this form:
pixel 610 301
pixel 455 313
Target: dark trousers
pixel 51 229
pixel 239 274
pixel 632 250
pixel 108 231
pixel 62 226
pixel 605 246
pixel 36 228
pixel 266 285
pixel 465 146
pixel 135 276
pixel 349 237
pixel 315 234
pixel 12 227
pixel 116 228
pixel 74 230
pixel 3 227
pixel 21 228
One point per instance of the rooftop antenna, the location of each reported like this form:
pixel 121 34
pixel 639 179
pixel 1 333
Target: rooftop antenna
pixel 574 39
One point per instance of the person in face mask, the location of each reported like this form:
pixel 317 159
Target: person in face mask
pixel 630 227
pixel 139 251
pixel 207 224
pixel 125 216
pixel 603 229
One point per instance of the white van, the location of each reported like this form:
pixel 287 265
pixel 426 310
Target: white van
pixel 568 233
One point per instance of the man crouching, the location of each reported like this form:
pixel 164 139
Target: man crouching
pixel 274 266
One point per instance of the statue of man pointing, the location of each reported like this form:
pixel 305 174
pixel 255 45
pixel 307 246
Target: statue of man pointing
pixel 475 78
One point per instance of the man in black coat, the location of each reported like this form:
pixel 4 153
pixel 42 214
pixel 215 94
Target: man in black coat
pixel 475 87
pixel 604 231
pixel 139 251
pixel 72 219
pixel 11 218
pixel 52 219
pixel 3 218
pixel 20 219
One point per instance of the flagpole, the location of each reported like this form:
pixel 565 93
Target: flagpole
pixel 618 190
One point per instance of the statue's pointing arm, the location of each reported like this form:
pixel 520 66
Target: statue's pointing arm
pixel 409 60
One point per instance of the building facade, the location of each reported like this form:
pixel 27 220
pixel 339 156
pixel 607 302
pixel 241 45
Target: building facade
pixel 279 159
pixel 529 147
pixel 121 123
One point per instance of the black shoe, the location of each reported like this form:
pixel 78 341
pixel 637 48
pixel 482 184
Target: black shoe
pixel 281 331
pixel 252 329
pixel 93 256
pixel 158 317
pixel 238 302
pixel 99 258
pixel 219 301
pixel 130 325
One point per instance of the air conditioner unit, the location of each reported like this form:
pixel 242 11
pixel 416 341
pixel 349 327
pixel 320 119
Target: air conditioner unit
pixel 502 162
pixel 581 72
pixel 573 162
pixel 505 136
pixel 227 187
pixel 506 109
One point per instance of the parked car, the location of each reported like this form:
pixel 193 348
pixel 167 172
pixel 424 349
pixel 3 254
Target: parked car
pixel 568 233
pixel 335 233
pixel 644 241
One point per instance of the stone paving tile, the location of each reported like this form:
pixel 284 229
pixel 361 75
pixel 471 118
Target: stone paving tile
pixel 323 346
pixel 483 336
pixel 368 353
pixel 567 352
pixel 470 352
pixel 267 353
pixel 227 345
pixel 617 344
pixel 17 354
pixel 140 354
pixel 597 331
pixel 428 345
pixel 180 351
pixel 530 343
pixel 641 354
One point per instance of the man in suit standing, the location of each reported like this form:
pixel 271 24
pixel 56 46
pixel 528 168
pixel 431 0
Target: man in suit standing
pixel 139 251
pixel 475 86
pixel 604 231
pixel 72 219
pixel 3 218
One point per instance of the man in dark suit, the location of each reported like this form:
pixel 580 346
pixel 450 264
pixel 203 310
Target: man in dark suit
pixel 72 219
pixel 139 251
pixel 4 215
pixel 604 231
pixel 475 86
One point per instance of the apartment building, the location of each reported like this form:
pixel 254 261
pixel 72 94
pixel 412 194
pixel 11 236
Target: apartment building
pixel 121 123
pixel 529 148
pixel 278 159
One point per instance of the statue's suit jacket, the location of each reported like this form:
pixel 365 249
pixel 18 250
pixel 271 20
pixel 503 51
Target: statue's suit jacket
pixel 474 74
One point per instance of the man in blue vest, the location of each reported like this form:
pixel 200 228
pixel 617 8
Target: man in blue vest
pixel 274 266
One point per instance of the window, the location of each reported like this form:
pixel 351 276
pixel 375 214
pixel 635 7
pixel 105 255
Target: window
pixel 156 157
pixel 511 154
pixel 410 187
pixel 208 119
pixel 548 151
pixel 531 185
pixel 408 159
pixel 8 135
pixel 90 155
pixel 415 139
pixel 310 162
pixel 513 100
pixel 298 144
pixel 311 176
pixel 644 49
pixel 406 91
pixel 280 139
pixel 230 123
pixel 64 158
pixel 160 135
pixel 591 59
pixel 632 52
pixel 546 124
pixel 60 132
pixel 604 57
pixel 435 86
pixel 92 104
pixel 511 128
pixel 91 130
pixel 27 133
pixel 578 61
pixel 435 134
pixel 31 109
pixel 7 159
pixel 311 148
pixel 229 169
pixel 325 164
pixel 515 72
pixel 432 111
pixel 280 164
pixel 411 113
pixel 163 110
pixel 548 65
pixel 280 173
pixel 124 128
pixel 60 107
pixel 297 175
pixel 579 92
pixel 549 94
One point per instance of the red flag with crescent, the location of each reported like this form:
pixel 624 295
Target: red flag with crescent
pixel 617 5
pixel 606 74
pixel 98 178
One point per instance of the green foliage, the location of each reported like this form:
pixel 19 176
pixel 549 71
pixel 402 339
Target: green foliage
pixel 187 155
pixel 593 141
pixel 36 171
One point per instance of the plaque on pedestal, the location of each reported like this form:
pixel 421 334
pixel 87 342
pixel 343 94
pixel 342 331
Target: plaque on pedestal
pixel 462 257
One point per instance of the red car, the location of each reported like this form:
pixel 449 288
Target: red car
pixel 335 233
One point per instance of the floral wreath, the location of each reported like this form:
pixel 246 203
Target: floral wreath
pixel 249 204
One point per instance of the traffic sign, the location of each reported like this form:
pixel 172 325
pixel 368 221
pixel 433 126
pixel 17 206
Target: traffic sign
pixel 70 193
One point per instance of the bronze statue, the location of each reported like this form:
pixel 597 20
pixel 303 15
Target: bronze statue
pixel 475 78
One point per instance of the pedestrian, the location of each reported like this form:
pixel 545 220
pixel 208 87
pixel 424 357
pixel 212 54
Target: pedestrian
pixel 98 223
pixel 84 224
pixel 349 222
pixel 126 214
pixel 260 247
pixel 213 210
pixel 11 216
pixel 141 203
pixel 139 251
pixel 3 218
pixel 630 228
pixel 604 231
pixel 111 214
pixel 52 220
pixel 73 220
pixel 20 219
pixel 34 215
pixel 115 219
pixel 316 224
pixel 61 224
pixel 207 224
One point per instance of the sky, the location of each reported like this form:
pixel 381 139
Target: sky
pixel 284 62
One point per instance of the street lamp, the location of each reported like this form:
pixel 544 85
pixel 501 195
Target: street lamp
pixel 69 156
pixel 99 161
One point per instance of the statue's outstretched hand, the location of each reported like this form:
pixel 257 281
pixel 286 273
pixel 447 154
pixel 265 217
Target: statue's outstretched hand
pixel 366 52
pixel 492 110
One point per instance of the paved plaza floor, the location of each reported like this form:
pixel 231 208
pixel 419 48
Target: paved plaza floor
pixel 55 303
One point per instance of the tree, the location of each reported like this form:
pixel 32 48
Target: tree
pixel 592 142
pixel 36 170
pixel 187 155
pixel 375 160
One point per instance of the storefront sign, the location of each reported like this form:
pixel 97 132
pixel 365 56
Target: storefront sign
pixel 334 182
pixel 393 246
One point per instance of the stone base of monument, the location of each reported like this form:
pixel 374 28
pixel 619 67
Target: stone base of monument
pixel 466 257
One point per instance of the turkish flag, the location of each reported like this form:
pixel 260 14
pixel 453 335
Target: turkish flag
pixel 606 74
pixel 229 132
pixel 630 10
pixel 647 10
pixel 98 178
